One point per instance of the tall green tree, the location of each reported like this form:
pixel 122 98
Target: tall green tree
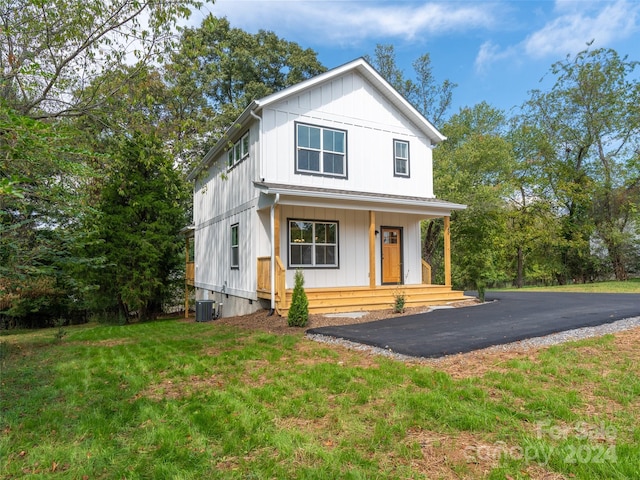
pixel 52 54
pixel 473 167
pixel 42 176
pixel 221 69
pixel 591 119
pixel 51 51
pixel 138 220
pixel 141 199
pixel 534 239
pixel 429 97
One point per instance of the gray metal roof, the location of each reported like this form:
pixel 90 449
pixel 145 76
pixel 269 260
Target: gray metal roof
pixel 399 203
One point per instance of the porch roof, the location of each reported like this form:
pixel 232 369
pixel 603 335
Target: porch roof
pixel 349 199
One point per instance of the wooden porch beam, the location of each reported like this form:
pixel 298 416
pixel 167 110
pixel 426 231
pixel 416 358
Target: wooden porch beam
pixel 372 249
pixel 447 251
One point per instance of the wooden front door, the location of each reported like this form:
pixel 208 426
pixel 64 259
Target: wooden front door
pixel 391 255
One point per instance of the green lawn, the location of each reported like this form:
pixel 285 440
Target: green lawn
pixel 175 400
pixel 630 286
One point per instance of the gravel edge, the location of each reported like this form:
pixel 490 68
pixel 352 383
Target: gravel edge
pixel 536 342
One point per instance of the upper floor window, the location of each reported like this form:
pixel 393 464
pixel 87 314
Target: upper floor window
pixel 321 150
pixel 400 158
pixel 313 244
pixel 238 151
pixel 235 247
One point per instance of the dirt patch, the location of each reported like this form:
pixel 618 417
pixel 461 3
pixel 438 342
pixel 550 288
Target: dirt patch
pixel 276 324
pixel 466 455
pixel 168 389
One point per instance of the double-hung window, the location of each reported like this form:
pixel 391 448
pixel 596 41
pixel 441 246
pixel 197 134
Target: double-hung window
pixel 321 151
pixel 235 247
pixel 400 158
pixel 313 243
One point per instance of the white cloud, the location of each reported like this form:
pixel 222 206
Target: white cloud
pixel 491 53
pixel 353 21
pixel 575 24
pixel 570 32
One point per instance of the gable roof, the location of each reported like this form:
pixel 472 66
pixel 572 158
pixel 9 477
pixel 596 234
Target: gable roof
pixel 359 65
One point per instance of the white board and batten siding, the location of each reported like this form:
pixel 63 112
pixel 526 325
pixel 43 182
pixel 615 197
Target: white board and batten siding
pixel 353 246
pixel 224 197
pixel 351 104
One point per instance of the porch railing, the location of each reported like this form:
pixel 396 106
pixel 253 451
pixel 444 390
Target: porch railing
pixel 264 281
pixel 426 273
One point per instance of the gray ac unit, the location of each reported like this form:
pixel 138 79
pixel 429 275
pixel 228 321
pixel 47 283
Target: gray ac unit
pixel 204 310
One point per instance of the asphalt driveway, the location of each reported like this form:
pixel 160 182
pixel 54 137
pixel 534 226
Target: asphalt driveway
pixel 506 317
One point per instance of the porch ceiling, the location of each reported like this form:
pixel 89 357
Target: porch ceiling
pixel 332 198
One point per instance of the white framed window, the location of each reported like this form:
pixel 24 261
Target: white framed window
pixel 313 244
pixel 321 151
pixel 400 158
pixel 238 151
pixel 235 247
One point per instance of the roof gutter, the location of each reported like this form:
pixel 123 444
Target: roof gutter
pixel 223 142
pixel 371 198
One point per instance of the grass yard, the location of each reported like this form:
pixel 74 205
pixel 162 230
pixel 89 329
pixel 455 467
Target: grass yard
pixel 177 400
pixel 630 286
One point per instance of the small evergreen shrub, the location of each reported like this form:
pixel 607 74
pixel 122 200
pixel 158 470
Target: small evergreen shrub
pixel 399 301
pixel 298 315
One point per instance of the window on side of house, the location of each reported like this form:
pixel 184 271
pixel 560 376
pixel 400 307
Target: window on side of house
pixel 238 151
pixel 321 151
pixel 235 247
pixel 313 244
pixel 400 158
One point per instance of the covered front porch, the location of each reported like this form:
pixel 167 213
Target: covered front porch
pixel 272 284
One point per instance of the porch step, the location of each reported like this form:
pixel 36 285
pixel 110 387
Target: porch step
pixel 353 299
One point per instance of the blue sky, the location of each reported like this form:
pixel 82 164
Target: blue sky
pixel 496 51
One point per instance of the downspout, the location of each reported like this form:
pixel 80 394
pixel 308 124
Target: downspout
pixel 272 217
pixel 273 254
pixel 260 160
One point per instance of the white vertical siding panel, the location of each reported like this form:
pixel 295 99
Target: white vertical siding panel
pixel 315 100
pixel 262 234
pixel 353 247
pixel 337 90
pixel 223 198
pixel 284 148
pixel 304 101
pixel 352 104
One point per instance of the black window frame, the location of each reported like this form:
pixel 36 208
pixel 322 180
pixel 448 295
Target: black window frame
pixel 322 151
pixel 237 152
pixel 235 248
pixel 396 141
pixel 314 245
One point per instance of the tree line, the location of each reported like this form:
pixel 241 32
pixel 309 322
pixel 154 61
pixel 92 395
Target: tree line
pixel 105 109
pixel 553 190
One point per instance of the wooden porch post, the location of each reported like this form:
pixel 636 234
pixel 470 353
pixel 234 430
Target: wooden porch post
pixel 372 249
pixel 274 284
pixel 447 251
pixel 276 229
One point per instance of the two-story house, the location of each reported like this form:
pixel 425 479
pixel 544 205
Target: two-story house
pixel 331 176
